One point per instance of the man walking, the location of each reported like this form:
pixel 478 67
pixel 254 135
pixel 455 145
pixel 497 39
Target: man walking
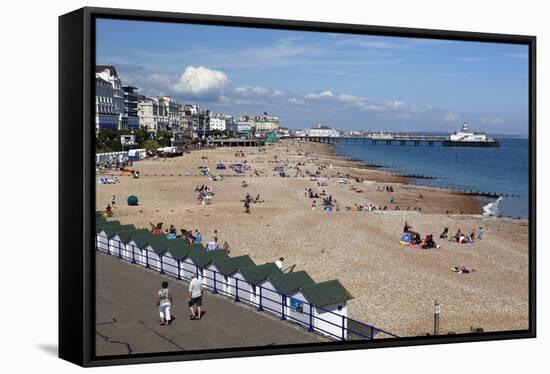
pixel 195 297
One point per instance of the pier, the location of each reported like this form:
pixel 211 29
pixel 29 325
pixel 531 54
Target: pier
pixel 403 140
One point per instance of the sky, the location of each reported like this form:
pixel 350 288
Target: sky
pixel 346 81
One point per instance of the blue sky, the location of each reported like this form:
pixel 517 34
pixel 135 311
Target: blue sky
pixel 341 80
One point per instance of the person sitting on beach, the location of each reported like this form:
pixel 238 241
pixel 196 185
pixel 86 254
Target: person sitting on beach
pixel 212 245
pixel 445 233
pixel 258 199
pixel 313 205
pixel 392 200
pixel 407 227
pixel 198 237
pixel 226 248
pixel 172 230
pixel 429 242
pixel 109 211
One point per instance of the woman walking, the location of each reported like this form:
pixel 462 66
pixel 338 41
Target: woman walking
pixel 164 303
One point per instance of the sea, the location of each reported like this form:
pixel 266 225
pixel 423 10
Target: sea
pixel 503 170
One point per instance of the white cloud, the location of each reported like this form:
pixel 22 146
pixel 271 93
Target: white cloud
pixel 296 101
pixel 319 95
pixel 200 80
pixel 451 117
pixel 492 120
pixel 255 91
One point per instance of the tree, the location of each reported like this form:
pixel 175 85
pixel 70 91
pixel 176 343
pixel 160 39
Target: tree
pixel 151 145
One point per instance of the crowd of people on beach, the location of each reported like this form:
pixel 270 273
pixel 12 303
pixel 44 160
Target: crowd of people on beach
pixel 189 236
pixel 413 238
pixel 205 194
pixel 460 237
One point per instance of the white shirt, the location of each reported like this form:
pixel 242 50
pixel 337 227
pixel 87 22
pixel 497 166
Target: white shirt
pixel 279 264
pixel 195 287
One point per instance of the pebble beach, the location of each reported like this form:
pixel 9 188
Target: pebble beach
pixel 394 286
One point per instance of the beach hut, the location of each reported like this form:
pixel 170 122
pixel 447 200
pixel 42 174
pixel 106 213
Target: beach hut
pixel 124 237
pixel 249 277
pixel 204 258
pixel 223 271
pixel 115 246
pixel 188 267
pixel 155 250
pixel 275 288
pixel 322 307
pixel 138 243
pixel 101 239
pixel 176 252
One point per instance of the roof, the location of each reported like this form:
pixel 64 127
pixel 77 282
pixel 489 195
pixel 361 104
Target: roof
pixel 231 265
pixel 256 274
pixel 147 237
pixel 126 235
pixel 112 230
pixel 287 283
pixel 101 68
pixel 161 245
pixel 101 225
pixel 326 293
pixel 202 258
pixel 179 249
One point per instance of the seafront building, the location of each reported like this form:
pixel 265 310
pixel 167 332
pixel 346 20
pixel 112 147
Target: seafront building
pixel 222 122
pixel 109 98
pixel 130 119
pixel 319 130
pixel 262 124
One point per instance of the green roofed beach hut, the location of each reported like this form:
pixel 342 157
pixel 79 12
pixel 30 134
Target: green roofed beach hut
pixel 221 270
pixel 137 245
pixel 322 307
pixel 124 237
pixel 204 258
pixel 155 251
pixel 249 277
pixel 115 245
pixel 101 237
pixel 174 256
pixel 276 287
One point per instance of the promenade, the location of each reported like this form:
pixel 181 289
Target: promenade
pixel 127 318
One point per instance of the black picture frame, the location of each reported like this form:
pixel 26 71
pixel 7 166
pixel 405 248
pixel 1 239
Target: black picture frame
pixel 77 188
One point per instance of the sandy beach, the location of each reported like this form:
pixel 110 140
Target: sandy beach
pixel 394 286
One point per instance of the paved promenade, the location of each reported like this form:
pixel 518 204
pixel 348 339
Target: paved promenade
pixel 127 318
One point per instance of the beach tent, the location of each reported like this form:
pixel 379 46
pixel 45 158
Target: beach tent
pixel 321 306
pixel 115 246
pixel 204 258
pixel 223 270
pixel 251 276
pixel 132 200
pixel 220 166
pixel 101 239
pixel 276 287
pixel 405 238
pixel 138 243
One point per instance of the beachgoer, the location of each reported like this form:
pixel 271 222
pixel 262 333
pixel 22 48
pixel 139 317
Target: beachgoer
pixel 226 247
pixel 313 205
pixel 113 201
pixel 109 211
pixel 445 233
pixel 198 237
pixel 279 262
pixel 195 297
pixel 164 303
pixel 247 206
pixel 480 234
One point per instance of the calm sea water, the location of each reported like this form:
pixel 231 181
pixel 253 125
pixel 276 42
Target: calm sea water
pixel 502 170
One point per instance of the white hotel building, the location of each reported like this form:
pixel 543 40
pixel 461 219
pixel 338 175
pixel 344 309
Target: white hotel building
pixel 262 124
pixel 109 99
